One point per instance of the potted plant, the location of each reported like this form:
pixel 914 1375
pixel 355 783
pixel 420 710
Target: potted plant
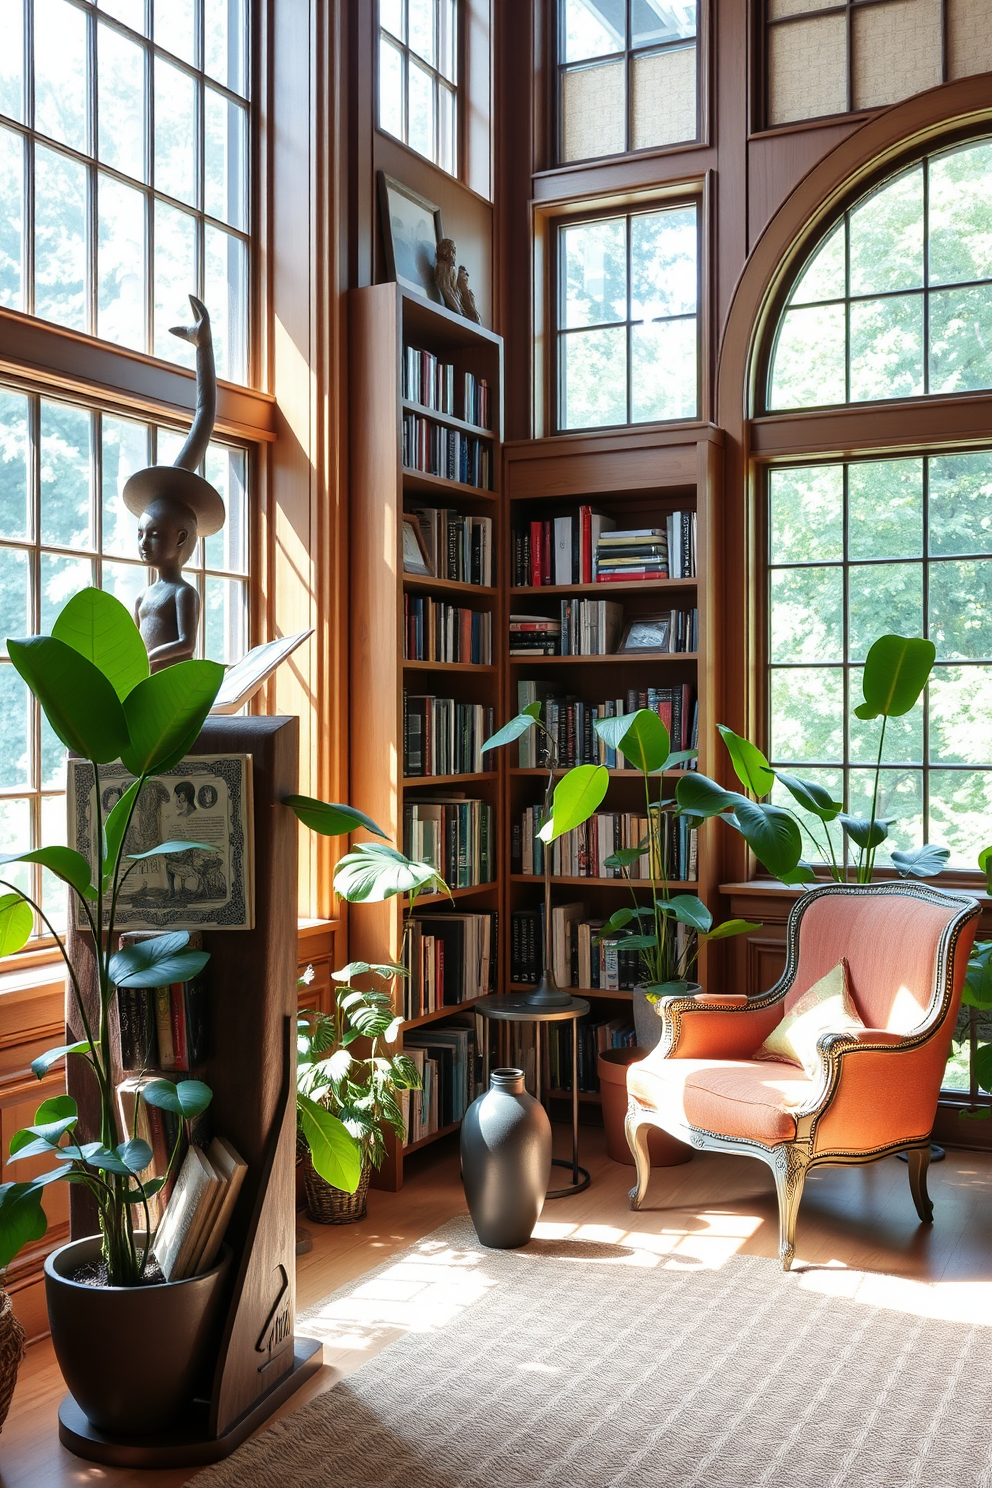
pixel 976 998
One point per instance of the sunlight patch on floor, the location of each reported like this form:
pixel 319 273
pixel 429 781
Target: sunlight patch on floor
pixel 716 1236
pixel 950 1301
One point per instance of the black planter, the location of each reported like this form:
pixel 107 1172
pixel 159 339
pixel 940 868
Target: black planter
pixel 132 1357
pixel 647 1024
pixel 506 1161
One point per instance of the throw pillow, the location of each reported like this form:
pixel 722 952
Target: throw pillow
pixel 825 1008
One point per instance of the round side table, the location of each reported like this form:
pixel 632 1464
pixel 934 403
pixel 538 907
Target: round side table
pixel 513 1007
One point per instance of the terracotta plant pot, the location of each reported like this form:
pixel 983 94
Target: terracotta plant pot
pixel 666 1151
pixel 132 1357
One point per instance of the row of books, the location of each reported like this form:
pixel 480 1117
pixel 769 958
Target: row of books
pixel 457 547
pixel 448 1063
pixel 593 1039
pixel 454 835
pixel 582 853
pixel 570 722
pixel 450 958
pixel 438 450
pixel 586 547
pixel 444 737
pixel 435 631
pixel 580 959
pixel 587 627
pixel 163 1028
pixel 192 1228
pixel 430 382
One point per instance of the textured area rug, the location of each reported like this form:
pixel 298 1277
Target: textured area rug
pixel 579 1364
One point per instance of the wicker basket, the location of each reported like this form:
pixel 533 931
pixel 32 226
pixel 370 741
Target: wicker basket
pixel 329 1205
pixel 11 1353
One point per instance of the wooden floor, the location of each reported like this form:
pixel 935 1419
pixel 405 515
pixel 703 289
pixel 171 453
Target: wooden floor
pixel 852 1220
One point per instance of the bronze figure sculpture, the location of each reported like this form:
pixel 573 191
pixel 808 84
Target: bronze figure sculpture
pixel 175 506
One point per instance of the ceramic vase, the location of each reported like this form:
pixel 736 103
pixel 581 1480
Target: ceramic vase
pixel 506 1161
pixel 647 1024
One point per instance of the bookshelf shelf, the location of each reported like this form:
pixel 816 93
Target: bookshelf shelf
pixel 602 591
pixel 614 774
pixel 687 885
pixel 456 893
pixel 448 420
pixel 443 1131
pixel 449 666
pixel 419 782
pixel 437 485
pixel 443 1012
pixel 615 658
pixel 419 583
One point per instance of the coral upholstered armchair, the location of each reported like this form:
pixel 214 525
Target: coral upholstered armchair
pixel 873 1090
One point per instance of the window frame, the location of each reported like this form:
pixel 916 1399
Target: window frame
pixel 438 80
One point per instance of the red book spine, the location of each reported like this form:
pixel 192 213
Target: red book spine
pixel 179 1044
pixel 536 535
pixel 585 544
pixel 637 574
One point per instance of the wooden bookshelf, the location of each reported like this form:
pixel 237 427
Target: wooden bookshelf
pixel 384 320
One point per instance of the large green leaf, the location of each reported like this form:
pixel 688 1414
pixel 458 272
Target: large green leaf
pixel 115 824
pixel 895 674
pixel 16 923
pixel 44 1062
pixel 697 795
pixel 329 818
pixel 688 909
pixel 157 962
pixel 750 765
pixel 166 711
pixel 923 862
pixel 172 848
pixel 771 834
pixel 983 1068
pixel 79 703
pixel 376 871
pixel 811 796
pixel 646 743
pixel 136 1155
pixel 70 866
pixel 336 1156
pixel 576 797
pixel 187 1098
pixel 98 626
pixel 513 729
pixel 866 831
pixel 985 864
pixel 22 1219
pixel 732 927
pixel 977 990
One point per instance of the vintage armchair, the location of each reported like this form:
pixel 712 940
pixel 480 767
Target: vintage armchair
pixel 875 1092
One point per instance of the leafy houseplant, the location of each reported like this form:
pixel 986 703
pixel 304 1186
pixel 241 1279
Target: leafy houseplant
pixel 976 996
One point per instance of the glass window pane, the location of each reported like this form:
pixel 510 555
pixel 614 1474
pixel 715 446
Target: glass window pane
pixel 175 279
pixel 806 514
pixel 125 581
pixel 121 86
pixel 886 348
pixel 11 220
pixel 824 277
pixel 54 893
pixel 53 758
pixel 807 69
pixel 421 21
pixel 168 444
pixel 807 614
pixel 960 354
pixel 593 111
pixel 883 599
pixel 960 812
pixel 594 262
pixel 807 714
pixel 15 829
pixel 225 617
pixel 960 714
pixel 226 470
pixel 12 59
pixel 15 597
pixel 960 226
pixel 60 579
pixel 175 28
pixel 663 264
pixel 60 72
pixel 391 17
pixel 225 24
pixel 125 450
pixel 446 128
pixel 121 300
pixel 131 12
pixel 390 88
pixel 808 364
pixel 421 110
pixel 590 31
pixel 225 160
pixel 663 98
pixel 15 496
pixel 886 235
pixel 896 51
pixel 900 798
pixel 814 831
pixel 175 115
pixel 903 744
pixel 225 287
pixel 651 23
pixel 885 509
pixel 663 370
pixel 15 711
pixel 961 504
pixel 961 609
pixel 593 371
pixel 66 508
pixel 60 239
pixel 447 38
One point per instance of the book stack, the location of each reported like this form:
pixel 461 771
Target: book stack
pixel 590 627
pixel 633 553
pixel 558 550
pixel 680 528
pixel 444 737
pixel 435 631
pixel 447 1061
pixel 437 450
pixel 162 1027
pixel 457 547
pixel 571 723
pixel 582 853
pixel 475 401
pixel 594 1038
pixel 450 958
pixel 581 959
pixel 192 1229
pixel 454 835
pixel 160 1129
pixel 534 635
pixel 428 381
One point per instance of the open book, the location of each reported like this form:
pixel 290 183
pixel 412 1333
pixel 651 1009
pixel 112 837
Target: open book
pixel 245 677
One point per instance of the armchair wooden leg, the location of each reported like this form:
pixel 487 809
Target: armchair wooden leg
pixel 638 1133
pixel 790 1175
pixel 919 1162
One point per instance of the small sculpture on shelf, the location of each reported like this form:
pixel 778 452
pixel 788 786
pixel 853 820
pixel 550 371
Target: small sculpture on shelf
pixel 444 274
pixel 175 506
pixel 466 298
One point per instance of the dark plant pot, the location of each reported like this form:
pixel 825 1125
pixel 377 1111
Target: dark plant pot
pixel 506 1161
pixel 612 1066
pixel 132 1357
pixel 647 1025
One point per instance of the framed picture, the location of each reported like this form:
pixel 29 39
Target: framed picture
pixel 411 231
pixel 414 552
pixel 647 633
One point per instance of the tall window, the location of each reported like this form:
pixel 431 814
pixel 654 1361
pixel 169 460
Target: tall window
pixel 897 300
pixel 832 56
pixel 124 169
pixel 626 76
pixel 628 343
pixel 418 54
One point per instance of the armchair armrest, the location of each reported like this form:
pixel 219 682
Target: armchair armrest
pixel 713 1026
pixel 875 1088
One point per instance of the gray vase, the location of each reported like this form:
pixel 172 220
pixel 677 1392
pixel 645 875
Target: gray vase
pixel 647 1024
pixel 506 1161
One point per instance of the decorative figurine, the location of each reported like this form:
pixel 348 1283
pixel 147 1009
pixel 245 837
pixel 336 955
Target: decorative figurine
pixel 466 298
pixel 175 506
pixel 444 274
